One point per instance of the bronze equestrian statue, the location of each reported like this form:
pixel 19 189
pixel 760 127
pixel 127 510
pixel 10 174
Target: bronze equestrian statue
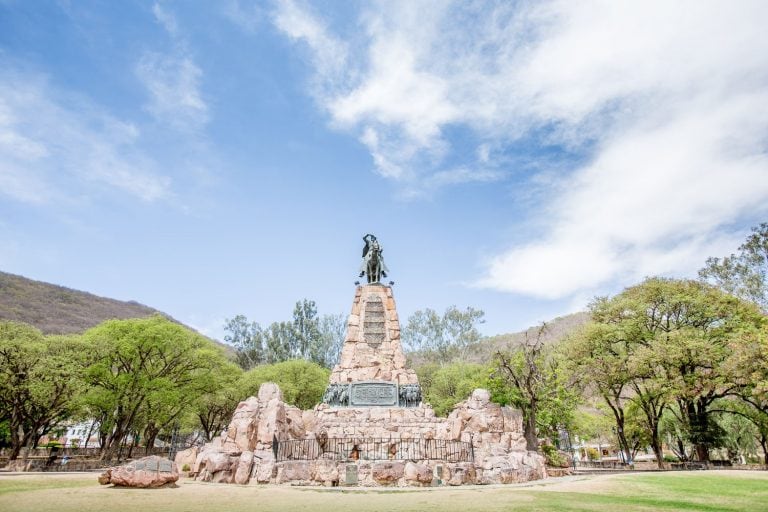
pixel 373 265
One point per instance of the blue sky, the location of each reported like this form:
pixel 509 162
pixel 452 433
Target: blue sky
pixel 216 158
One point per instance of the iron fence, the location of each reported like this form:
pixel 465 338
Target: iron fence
pixel 373 449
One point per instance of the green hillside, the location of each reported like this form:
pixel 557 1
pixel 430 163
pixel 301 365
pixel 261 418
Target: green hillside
pixel 58 310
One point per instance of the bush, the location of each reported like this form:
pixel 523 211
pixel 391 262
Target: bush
pixel 554 457
pixel 302 382
pixel 671 458
pixel 593 454
pixel 445 386
pixel 185 467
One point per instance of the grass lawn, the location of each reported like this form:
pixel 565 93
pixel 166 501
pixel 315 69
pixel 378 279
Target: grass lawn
pixel 702 490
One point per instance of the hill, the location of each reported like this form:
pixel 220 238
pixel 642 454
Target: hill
pixel 556 330
pixel 58 310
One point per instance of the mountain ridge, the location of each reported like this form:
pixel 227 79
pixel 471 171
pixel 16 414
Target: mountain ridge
pixel 56 309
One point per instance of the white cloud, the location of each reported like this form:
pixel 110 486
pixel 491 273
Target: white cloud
pixel 666 105
pixel 172 80
pixel 47 140
pixel 173 83
pixel 166 19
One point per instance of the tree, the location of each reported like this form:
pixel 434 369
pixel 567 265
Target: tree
pixel 445 337
pixel 215 407
pixel 40 380
pixel 747 363
pixel 598 356
pixel 306 336
pixel 248 340
pixel 532 377
pixel 672 338
pixel 445 386
pixel 327 350
pixel 146 370
pixel 744 274
pixel 306 329
pixel 302 382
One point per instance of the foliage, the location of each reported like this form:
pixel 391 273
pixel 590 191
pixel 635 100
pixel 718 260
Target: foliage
pixel 302 382
pixel 554 457
pixel 246 338
pixel 444 338
pixel 445 386
pixel 146 374
pixel 744 274
pixel 660 343
pixel 533 378
pixel 306 336
pixel 214 408
pixel 40 379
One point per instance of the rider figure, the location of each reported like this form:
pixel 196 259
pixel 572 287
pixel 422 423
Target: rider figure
pixel 372 246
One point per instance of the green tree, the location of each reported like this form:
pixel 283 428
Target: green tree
pixel 248 340
pixel 302 382
pixel 533 378
pixel 215 407
pixel 445 386
pixel 307 336
pixel 146 369
pixel 40 380
pixel 672 338
pixel 599 359
pixel 327 350
pixel 306 329
pixel 747 363
pixel 279 341
pixel 744 274
pixel 445 338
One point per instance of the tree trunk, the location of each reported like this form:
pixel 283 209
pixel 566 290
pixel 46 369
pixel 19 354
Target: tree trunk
pixel 529 424
pixel 764 446
pixel 625 446
pixel 112 445
pixel 19 439
pixel 656 445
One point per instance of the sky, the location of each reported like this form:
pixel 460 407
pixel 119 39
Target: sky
pixel 210 159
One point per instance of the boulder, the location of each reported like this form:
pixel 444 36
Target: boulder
pixel 387 473
pixel 269 391
pixel 325 472
pixel 417 474
pixel 186 457
pixel 152 471
pixel 244 466
pixel 292 471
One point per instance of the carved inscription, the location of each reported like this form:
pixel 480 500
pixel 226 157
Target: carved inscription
pixel 373 393
pixel 374 323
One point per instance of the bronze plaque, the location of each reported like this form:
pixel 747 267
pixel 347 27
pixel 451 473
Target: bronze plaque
pixel 373 393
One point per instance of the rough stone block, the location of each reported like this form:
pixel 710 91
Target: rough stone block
pixel 417 474
pixel 387 473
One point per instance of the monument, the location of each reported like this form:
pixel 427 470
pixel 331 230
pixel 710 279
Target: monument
pixel 372 427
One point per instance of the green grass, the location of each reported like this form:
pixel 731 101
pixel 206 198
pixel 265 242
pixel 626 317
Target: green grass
pixel 10 484
pixel 696 491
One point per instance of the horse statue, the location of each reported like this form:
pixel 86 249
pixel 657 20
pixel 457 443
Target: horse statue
pixel 373 265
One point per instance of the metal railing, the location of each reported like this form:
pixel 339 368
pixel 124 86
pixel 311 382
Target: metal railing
pixel 373 449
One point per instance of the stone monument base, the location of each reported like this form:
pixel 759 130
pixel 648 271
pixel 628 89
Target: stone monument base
pixel 249 451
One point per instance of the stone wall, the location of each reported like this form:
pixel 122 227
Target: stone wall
pixel 243 454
